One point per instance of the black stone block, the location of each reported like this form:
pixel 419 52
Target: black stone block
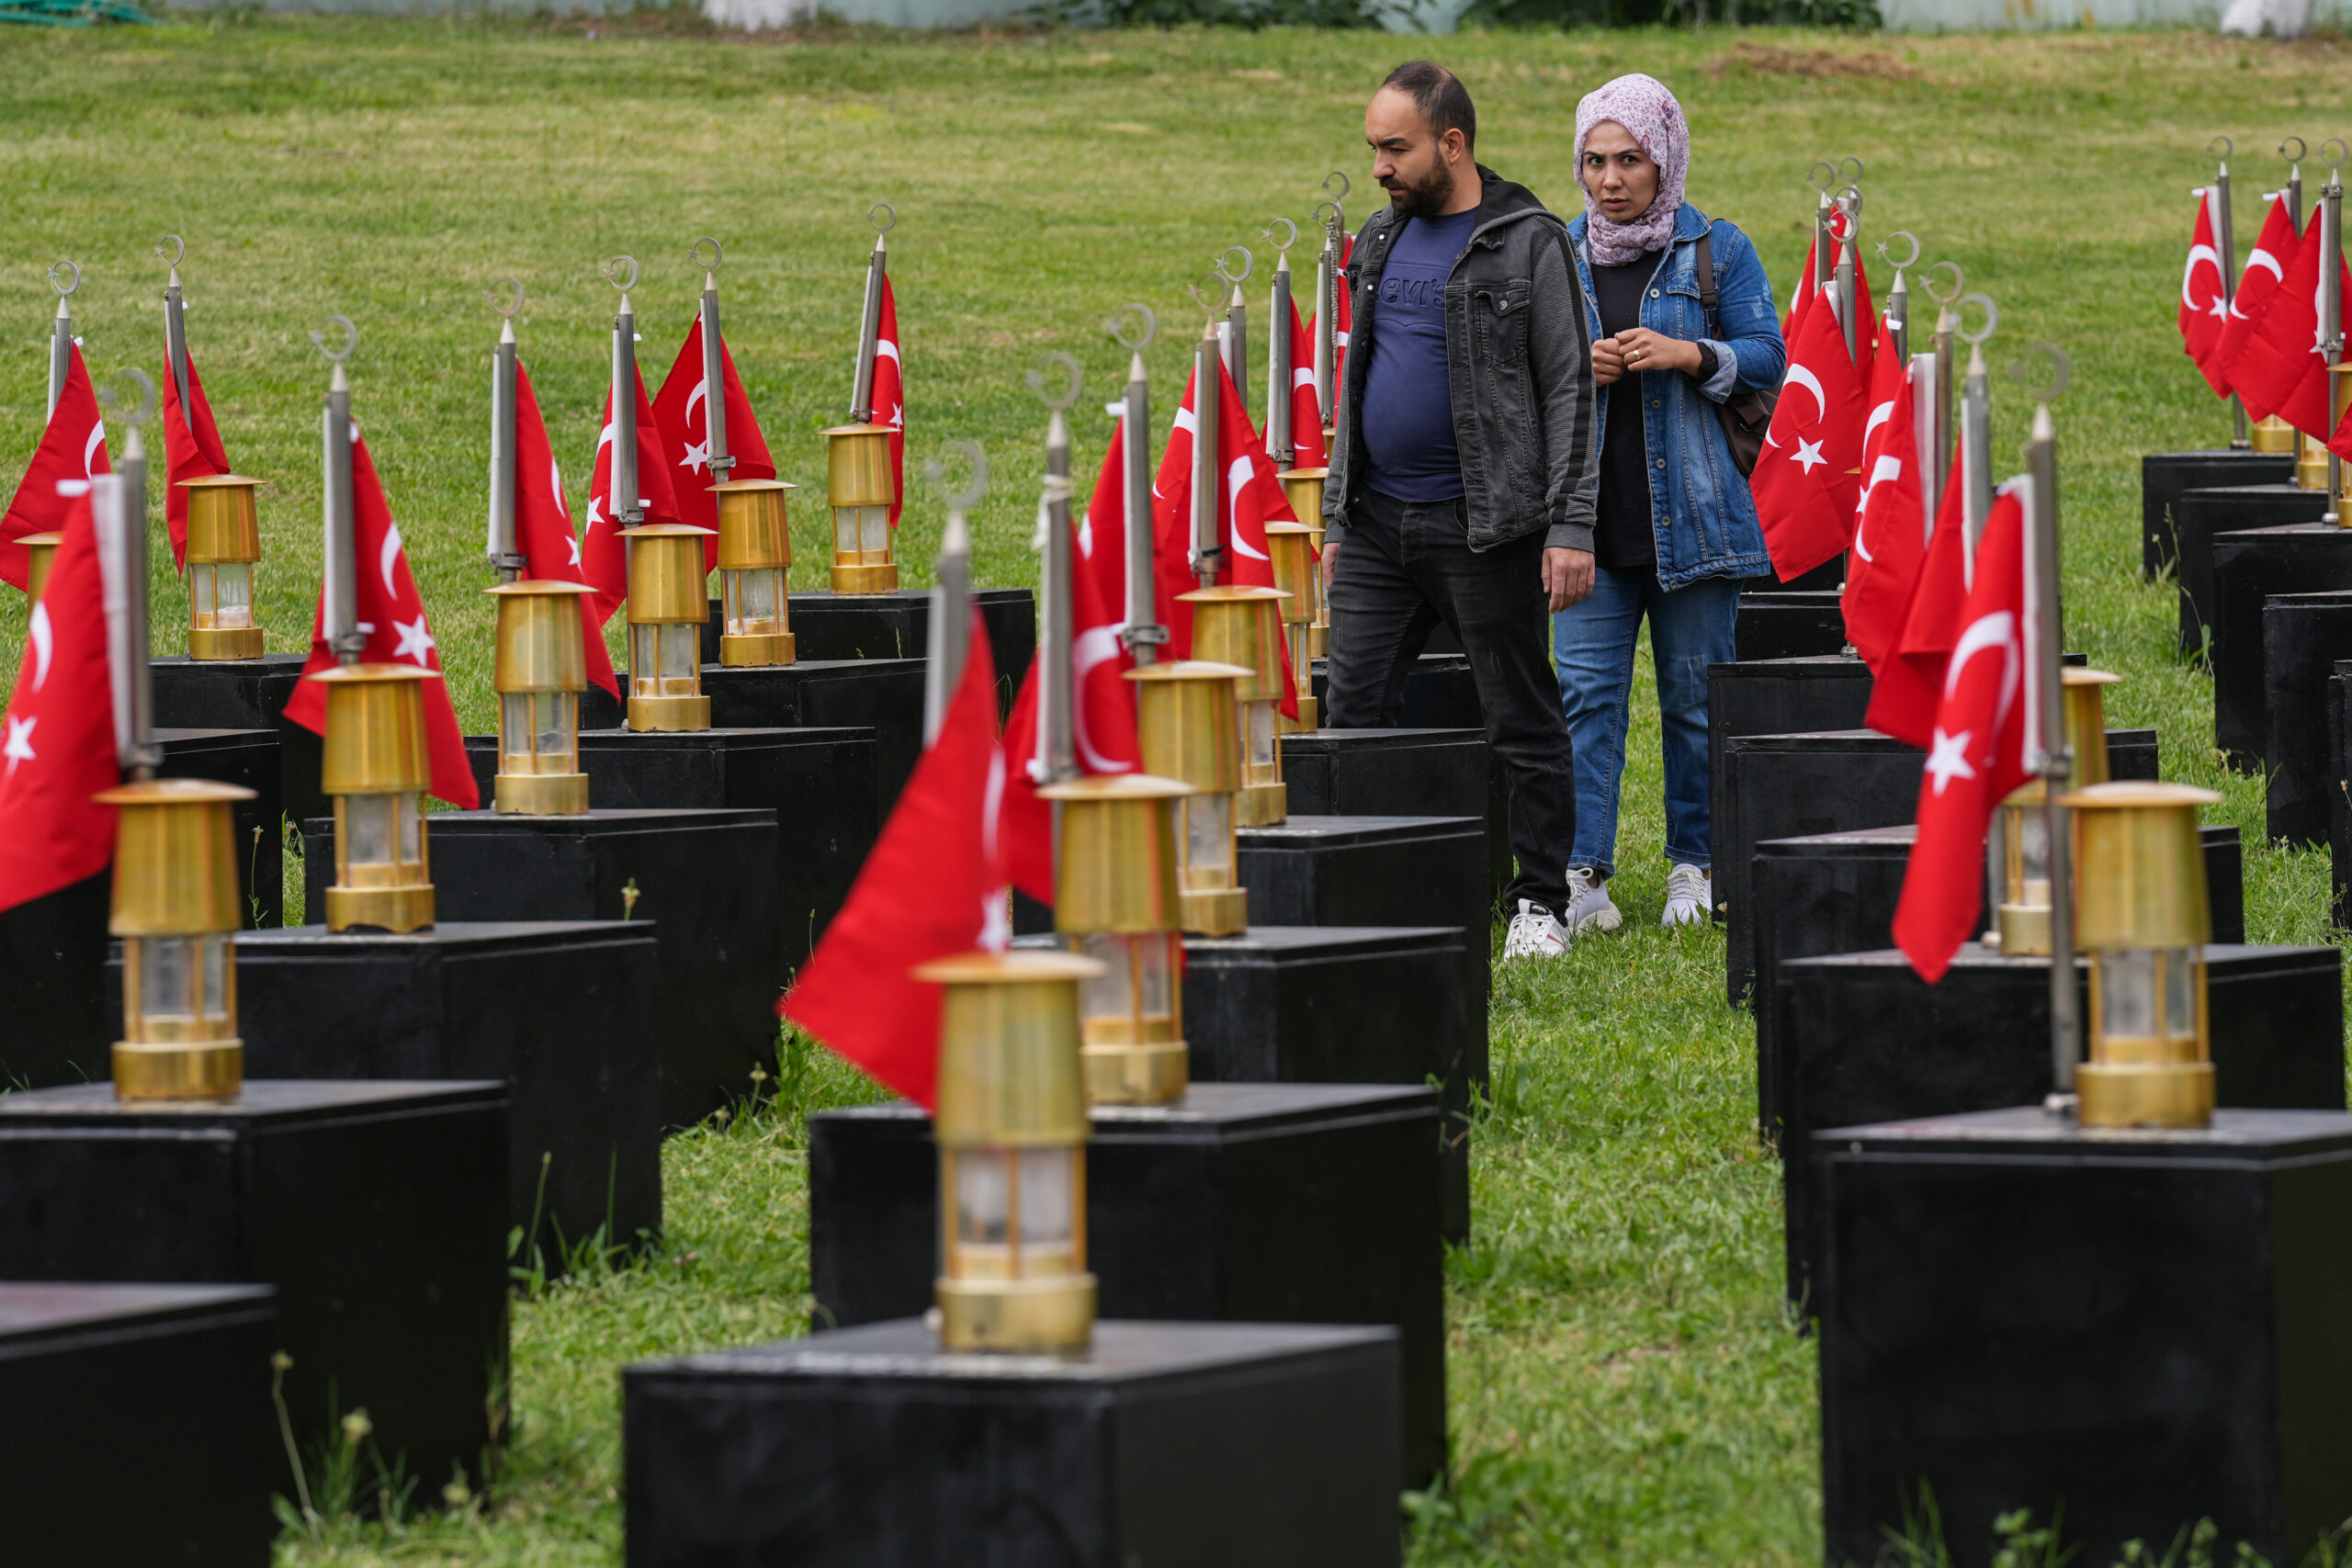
pixel 2248 568
pixel 1789 623
pixel 2148 1327
pixel 2164 475
pixel 1334 1004
pixel 1240 1202
pixel 1778 696
pixel 1785 786
pixel 135 1424
pixel 1837 892
pixel 566 1014
pixel 897 626
pixel 1863 1039
pixel 2201 515
pixel 1440 692
pixel 247 693
pixel 379 1211
pixel 1828 577
pixel 2339 797
pixel 1404 773
pixel 2303 635
pixel 1180 1445
pixel 250 757
pixel 698 875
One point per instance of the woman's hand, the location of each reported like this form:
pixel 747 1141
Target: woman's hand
pixel 1608 362
pixel 1643 349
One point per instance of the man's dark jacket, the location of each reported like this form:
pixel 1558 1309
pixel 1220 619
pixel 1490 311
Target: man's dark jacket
pixel 1519 360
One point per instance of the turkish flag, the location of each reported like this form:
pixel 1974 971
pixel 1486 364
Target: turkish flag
pixel 2204 313
pixel 1306 411
pixel 682 408
pixel 890 395
pixel 1807 480
pixel 73 448
pixel 1891 539
pixel 606 562
pixel 1976 754
pixel 543 531
pixel 933 886
pixel 2258 286
pixel 2281 365
pixel 59 750
pixel 1904 691
pixel 192 450
pixel 1102 713
pixel 391 614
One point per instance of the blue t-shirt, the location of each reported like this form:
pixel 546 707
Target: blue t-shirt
pixel 1409 447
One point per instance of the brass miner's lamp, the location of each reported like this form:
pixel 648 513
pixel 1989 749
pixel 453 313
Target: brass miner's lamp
pixel 539 670
pixel 754 548
pixel 224 544
pixel 1243 627
pixel 1189 721
pixel 668 605
pixel 376 767
pixel 1298 574
pixel 175 906
pixel 2022 917
pixel 860 489
pixel 1305 489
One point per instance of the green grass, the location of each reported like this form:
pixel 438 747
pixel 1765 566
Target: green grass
pixel 1625 1386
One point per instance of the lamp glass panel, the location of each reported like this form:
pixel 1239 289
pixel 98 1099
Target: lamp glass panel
pixel 201 612
pixel 369 828
pixel 645 660
pixel 233 593
pixel 2178 989
pixel 555 726
pixel 681 653
pixel 1109 997
pixel 1045 1206
pixel 982 1189
pixel 751 598
pixel 1261 716
pixel 515 726
pixel 408 814
pixel 874 529
pixel 167 979
pixel 845 529
pixel 2029 846
pixel 1208 840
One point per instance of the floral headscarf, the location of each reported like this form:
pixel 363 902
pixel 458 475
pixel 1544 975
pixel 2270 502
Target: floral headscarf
pixel 1650 114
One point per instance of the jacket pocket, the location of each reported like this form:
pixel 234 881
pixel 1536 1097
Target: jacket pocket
pixel 1500 314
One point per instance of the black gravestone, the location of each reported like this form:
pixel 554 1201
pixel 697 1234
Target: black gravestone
pixel 379 1211
pixel 1826 578
pixel 567 1015
pixel 1403 772
pixel 135 1424
pixel 1778 696
pixel 2303 635
pixel 2164 475
pixel 2199 515
pixel 1837 892
pixel 2146 1327
pixel 1864 1039
pixel 1180 1445
pixel 1337 1004
pixel 1239 1203
pixel 247 693
pixel 1783 786
pixel 719 965
pixel 2339 797
pixel 2248 568
pixel 1440 692
pixel 897 626
pixel 1780 623
pixel 250 757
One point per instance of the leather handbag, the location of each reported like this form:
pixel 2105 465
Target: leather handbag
pixel 1747 414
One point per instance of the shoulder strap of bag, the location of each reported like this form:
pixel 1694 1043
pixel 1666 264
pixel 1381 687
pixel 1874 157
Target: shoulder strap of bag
pixel 1706 259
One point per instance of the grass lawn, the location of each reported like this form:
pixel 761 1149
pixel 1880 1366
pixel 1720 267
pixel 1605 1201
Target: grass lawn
pixel 1625 1385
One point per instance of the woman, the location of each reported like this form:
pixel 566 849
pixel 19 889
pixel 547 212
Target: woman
pixel 1676 529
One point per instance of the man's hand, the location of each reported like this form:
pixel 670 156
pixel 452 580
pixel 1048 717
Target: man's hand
pixel 1568 576
pixel 1608 362
pixel 1330 558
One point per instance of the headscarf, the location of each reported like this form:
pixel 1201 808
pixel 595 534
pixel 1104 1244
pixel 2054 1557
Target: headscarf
pixel 1649 113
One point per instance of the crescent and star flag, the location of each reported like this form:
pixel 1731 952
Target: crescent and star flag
pixel 1903 692
pixel 2204 313
pixel 1891 539
pixel 932 887
pixel 72 447
pixel 192 450
pixel 1250 498
pixel 606 553
pixel 2257 285
pixel 890 394
pixel 59 750
pixel 1807 480
pixel 1976 754
pixel 2282 364
pixel 683 410
pixel 543 530
pixel 1306 411
pixel 390 614
pixel 1103 706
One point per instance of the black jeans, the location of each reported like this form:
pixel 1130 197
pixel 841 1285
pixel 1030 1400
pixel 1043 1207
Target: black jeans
pixel 1408 565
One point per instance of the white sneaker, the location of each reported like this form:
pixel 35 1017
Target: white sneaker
pixel 1689 897
pixel 1534 933
pixel 1590 906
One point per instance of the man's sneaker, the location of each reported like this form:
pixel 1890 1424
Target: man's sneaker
pixel 1590 906
pixel 1689 897
pixel 1534 933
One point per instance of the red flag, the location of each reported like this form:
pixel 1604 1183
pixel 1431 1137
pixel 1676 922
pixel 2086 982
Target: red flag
pixel 2204 313
pixel 1807 480
pixel 1890 540
pixel 192 450
pixel 890 395
pixel 1975 755
pixel 1305 410
pixel 2282 364
pixel 606 562
pixel 934 885
pixel 1102 530
pixel 1905 690
pixel 682 410
pixel 2257 285
pixel 543 530
pixel 390 613
pixel 59 750
pixel 72 447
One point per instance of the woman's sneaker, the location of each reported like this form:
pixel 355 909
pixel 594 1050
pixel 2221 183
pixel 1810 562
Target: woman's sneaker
pixel 1689 897
pixel 1534 933
pixel 1590 906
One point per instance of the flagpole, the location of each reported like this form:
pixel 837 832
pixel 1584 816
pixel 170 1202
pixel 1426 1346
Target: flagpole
pixel 61 332
pixel 1946 342
pixel 628 510
pixel 2225 241
pixel 500 545
pixel 1279 445
pixel 1976 433
pixel 1141 633
pixel 2056 762
pixel 2331 303
pixel 176 322
pixel 950 634
pixel 1057 727
pixel 1849 209
pixel 714 371
pixel 1328 283
pixel 340 598
pixel 870 320
pixel 1237 322
pixel 1207 406
pixel 1898 298
pixel 120 511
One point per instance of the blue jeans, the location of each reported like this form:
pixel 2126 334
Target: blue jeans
pixel 1592 646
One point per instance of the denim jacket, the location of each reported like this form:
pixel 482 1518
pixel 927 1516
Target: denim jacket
pixel 1703 517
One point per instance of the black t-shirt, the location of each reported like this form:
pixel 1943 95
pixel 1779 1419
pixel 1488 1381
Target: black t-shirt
pixel 1622 537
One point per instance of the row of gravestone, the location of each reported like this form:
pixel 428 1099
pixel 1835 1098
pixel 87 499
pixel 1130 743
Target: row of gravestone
pixel 2004 1301
pixel 425 1112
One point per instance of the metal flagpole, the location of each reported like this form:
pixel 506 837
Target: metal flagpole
pixel 2331 304
pixel 500 545
pixel 1898 297
pixel 628 507
pixel 120 512
pixel 1057 727
pixel 1279 447
pixel 2225 241
pixel 1946 347
pixel 1847 227
pixel 2048 751
pixel 1976 432
pixel 1207 552
pixel 1142 634
pixel 869 320
pixel 175 319
pixel 340 600
pixel 1236 320
pixel 950 634
pixel 61 332
pixel 714 365
pixel 1327 284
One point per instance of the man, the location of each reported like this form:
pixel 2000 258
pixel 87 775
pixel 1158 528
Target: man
pixel 1463 474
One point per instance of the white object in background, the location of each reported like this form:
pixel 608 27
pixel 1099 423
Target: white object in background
pixel 2279 19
